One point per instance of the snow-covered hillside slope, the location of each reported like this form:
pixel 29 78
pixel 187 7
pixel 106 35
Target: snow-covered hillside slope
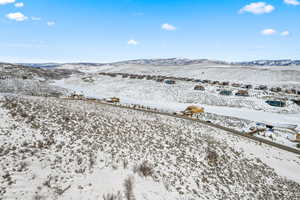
pixel 62 149
pixel 284 76
pixel 176 97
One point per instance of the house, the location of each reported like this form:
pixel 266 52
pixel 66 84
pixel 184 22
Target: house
pixel 77 96
pixel 112 75
pixel 247 86
pixel 216 82
pixel 276 89
pixel 160 80
pixel 113 100
pixel 276 103
pixel 133 77
pixel 170 82
pixel 189 111
pixel 242 93
pixel 291 91
pixel 261 87
pixel 4 77
pixel 199 87
pixel 236 85
pixel 296 101
pixel 206 81
pixel 198 81
pixel 226 92
pixel 225 83
pixel 297 138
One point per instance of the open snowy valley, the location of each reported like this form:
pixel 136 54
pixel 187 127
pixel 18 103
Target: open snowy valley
pixel 60 138
pixel 145 85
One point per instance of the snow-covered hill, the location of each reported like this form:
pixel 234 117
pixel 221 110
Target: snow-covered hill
pixel 61 149
pixel 54 148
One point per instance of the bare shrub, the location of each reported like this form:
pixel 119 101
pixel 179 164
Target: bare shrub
pixel 144 169
pixel 128 184
pixel 60 191
pixel 38 197
pixel 125 164
pixel 117 196
pixel 212 156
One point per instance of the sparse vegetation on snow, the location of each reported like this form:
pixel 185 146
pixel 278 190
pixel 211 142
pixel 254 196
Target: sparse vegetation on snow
pixel 55 148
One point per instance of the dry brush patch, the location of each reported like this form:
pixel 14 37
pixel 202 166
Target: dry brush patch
pixel 183 155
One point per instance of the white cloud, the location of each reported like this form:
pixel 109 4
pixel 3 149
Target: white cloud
pixel 268 32
pixel 19 4
pixel 168 27
pixel 3 2
pixel 16 16
pixel 51 23
pixel 132 42
pixel 285 33
pixel 257 8
pixel 292 2
pixel 35 18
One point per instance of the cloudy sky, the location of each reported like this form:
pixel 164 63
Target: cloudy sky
pixel 111 30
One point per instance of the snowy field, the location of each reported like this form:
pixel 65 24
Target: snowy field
pixel 60 149
pixel 174 98
pixel 283 76
pixel 56 148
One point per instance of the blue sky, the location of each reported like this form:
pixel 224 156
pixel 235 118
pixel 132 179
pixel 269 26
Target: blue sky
pixel 111 30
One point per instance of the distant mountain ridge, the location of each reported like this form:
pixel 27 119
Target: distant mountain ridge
pixel 270 63
pixel 169 61
pixel 176 62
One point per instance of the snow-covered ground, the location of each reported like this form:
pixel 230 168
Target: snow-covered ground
pixel 53 148
pixel 284 76
pixel 62 149
pixel 177 97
